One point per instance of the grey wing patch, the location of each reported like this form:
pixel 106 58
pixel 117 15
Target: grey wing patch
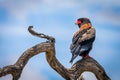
pixel 88 35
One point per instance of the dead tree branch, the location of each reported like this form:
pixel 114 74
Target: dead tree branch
pixel 72 73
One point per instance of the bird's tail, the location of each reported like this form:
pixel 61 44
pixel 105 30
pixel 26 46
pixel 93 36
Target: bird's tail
pixel 73 57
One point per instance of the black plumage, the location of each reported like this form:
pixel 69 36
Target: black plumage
pixel 83 39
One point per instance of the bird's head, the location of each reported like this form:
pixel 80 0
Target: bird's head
pixel 82 21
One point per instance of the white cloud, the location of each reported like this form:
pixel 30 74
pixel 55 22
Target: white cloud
pixel 22 8
pixel 100 11
pixel 107 16
pixel 13 31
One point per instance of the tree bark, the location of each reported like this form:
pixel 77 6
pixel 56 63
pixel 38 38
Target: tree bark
pixel 73 73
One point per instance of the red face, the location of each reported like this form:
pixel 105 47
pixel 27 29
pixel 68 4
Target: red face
pixel 78 22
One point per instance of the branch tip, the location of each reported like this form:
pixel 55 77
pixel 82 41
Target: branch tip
pixel 41 35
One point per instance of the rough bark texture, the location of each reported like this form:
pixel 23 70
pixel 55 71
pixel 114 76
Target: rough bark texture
pixel 73 73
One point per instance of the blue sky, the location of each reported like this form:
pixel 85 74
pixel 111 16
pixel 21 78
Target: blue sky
pixel 57 18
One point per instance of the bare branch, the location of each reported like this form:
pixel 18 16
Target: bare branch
pixel 41 35
pixel 73 73
pixel 88 64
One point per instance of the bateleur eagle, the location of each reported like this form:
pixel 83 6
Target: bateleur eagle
pixel 83 39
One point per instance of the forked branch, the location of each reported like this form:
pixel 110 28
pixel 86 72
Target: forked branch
pixel 72 73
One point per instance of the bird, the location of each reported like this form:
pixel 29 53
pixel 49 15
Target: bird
pixel 83 39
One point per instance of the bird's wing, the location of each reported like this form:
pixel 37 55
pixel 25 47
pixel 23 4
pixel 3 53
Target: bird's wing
pixel 75 52
pixel 78 37
pixel 87 36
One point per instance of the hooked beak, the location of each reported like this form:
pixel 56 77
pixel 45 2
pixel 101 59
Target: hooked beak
pixel 76 23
